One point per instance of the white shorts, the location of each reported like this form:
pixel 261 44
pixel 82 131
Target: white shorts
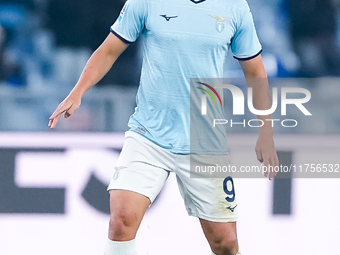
pixel 143 167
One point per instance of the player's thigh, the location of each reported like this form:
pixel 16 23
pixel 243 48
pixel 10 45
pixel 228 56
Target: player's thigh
pixel 127 209
pixel 222 236
pixel 218 230
pixel 128 206
pixel 132 190
pixel 142 167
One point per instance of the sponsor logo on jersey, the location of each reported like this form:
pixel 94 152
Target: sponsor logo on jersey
pixel 140 130
pixel 167 18
pixel 232 209
pixel 123 10
pixel 220 22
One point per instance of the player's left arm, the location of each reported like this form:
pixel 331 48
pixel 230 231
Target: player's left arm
pixel 256 77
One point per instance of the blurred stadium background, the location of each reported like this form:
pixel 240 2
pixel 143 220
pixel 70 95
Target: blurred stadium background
pixel 52 183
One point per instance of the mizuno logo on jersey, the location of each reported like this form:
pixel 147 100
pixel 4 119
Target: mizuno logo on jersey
pixel 232 209
pixel 167 18
pixel 220 22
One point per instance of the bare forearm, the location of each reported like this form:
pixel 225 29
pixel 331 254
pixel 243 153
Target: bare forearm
pixel 262 101
pixel 99 64
pixel 257 80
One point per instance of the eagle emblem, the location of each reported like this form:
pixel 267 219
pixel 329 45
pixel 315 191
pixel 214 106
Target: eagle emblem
pixel 220 22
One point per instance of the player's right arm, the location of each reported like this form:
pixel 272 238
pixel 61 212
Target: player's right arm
pixel 97 66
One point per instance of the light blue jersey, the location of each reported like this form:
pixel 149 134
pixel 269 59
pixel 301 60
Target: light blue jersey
pixel 182 39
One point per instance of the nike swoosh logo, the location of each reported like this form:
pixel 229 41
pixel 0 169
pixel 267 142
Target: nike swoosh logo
pixel 167 18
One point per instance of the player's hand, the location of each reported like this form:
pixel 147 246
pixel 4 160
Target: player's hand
pixel 266 154
pixel 68 105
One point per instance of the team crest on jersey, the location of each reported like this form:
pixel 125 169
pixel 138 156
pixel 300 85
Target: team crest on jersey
pixel 123 10
pixel 116 172
pixel 220 22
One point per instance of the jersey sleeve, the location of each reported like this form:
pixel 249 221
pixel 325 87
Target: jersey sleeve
pixel 131 20
pixel 245 44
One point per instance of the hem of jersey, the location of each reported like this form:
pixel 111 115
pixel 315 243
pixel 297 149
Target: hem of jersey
pixel 148 139
pixel 184 151
pixel 248 58
pixel 211 153
pixel 176 151
pixel 120 37
pixel 213 219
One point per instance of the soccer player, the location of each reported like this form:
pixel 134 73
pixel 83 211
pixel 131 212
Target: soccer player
pixel 182 39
